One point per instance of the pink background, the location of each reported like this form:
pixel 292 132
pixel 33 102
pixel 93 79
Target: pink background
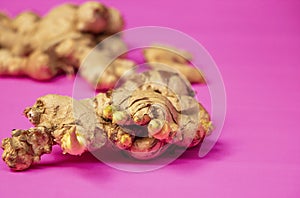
pixel 256 44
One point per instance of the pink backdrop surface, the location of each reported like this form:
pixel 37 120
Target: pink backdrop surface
pixel 255 43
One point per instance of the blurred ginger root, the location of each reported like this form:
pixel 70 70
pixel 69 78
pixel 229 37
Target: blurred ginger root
pixel 42 47
pixel 174 58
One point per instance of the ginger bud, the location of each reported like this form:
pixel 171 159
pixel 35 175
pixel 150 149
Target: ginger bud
pixel 108 111
pixel 120 118
pixel 207 126
pixel 163 134
pixel 141 120
pixel 73 143
pixel 146 148
pixel 155 126
pixel 126 140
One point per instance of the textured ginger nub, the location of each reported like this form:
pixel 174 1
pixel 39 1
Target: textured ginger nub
pixel 25 147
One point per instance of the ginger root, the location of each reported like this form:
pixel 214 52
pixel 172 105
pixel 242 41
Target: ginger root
pixel 98 69
pixel 43 47
pixel 174 58
pixel 142 117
